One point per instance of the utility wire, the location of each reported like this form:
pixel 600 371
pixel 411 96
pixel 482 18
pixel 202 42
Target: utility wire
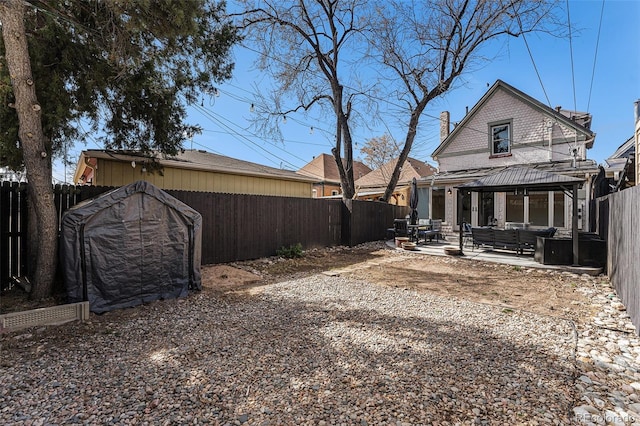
pixel 526 43
pixel 595 56
pixel 240 137
pixel 218 119
pixel 514 142
pixel 573 74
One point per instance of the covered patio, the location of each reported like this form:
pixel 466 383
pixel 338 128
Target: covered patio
pixel 523 180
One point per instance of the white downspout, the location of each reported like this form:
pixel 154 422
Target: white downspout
pixel 550 129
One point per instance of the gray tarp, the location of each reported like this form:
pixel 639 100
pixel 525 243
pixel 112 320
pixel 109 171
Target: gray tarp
pixel 133 245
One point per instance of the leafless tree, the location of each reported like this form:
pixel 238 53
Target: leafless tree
pixel 425 46
pixel 414 51
pixel 379 150
pixel 310 48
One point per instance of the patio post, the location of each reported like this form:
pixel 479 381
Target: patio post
pixel 574 226
pixel 459 213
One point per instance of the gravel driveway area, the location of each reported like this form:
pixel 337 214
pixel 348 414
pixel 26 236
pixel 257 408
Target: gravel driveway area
pixel 319 350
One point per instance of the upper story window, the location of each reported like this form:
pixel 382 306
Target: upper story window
pixel 334 192
pixel 500 138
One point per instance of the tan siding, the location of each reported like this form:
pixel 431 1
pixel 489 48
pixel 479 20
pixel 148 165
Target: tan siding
pixel 113 173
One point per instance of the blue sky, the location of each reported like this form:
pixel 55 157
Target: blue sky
pixel 610 98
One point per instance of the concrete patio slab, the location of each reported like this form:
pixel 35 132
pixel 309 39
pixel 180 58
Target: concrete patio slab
pixel 496 256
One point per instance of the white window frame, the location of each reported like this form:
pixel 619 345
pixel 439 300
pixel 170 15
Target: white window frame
pixel 492 140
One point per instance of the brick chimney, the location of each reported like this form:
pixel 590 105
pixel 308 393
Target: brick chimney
pixel 444 125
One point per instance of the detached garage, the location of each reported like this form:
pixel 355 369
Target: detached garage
pixel 130 246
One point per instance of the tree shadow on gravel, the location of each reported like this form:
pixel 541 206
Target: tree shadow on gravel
pixel 281 359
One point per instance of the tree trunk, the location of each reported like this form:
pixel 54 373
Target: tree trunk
pixel 36 158
pixel 404 154
pixel 343 136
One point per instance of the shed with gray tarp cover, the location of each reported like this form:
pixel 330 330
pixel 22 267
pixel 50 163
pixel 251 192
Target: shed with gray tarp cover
pixel 129 246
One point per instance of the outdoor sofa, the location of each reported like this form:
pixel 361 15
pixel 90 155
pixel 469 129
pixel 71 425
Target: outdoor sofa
pixel 518 240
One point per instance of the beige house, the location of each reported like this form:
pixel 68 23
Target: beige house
pixel 191 170
pixel 324 169
pixel 509 128
pixel 373 185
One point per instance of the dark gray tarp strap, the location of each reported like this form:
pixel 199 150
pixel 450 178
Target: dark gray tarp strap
pixel 192 278
pixel 574 227
pixel 83 266
pixel 460 217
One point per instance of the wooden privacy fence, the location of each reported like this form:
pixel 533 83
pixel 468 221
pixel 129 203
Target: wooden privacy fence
pixel 618 219
pixel 14 219
pixel 234 226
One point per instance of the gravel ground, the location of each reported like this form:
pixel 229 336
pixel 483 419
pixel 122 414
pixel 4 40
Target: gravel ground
pixel 318 350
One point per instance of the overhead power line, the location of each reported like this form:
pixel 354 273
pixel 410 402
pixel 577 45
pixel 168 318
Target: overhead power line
pixel 573 74
pixel 595 56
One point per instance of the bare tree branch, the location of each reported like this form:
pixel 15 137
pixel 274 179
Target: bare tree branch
pixel 415 51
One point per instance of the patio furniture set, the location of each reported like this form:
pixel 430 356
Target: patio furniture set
pixel 518 240
pixel 424 231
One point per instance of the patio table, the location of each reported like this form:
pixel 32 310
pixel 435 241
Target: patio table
pixel 414 231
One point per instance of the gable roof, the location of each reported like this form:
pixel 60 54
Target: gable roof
pixel 521 177
pixel 559 116
pixel 194 160
pixel 410 169
pixel 626 150
pixel 622 162
pixel 324 168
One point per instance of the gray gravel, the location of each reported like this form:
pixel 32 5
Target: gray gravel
pixel 319 350
pixel 323 350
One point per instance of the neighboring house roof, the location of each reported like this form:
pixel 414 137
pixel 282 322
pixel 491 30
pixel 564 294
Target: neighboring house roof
pixel 622 161
pixel 573 119
pixel 324 168
pixel 410 169
pixel 523 177
pixel 191 160
pixel 626 150
pixel 619 160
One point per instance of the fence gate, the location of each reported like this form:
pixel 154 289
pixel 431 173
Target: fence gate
pixel 13 219
pixel 13 223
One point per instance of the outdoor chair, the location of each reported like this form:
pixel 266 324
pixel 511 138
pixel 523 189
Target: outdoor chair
pixel 482 237
pixel 506 239
pixel 467 235
pixel 434 231
pixel 527 238
pixel 400 227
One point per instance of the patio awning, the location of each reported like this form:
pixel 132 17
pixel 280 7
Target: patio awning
pixel 513 178
pixel 524 178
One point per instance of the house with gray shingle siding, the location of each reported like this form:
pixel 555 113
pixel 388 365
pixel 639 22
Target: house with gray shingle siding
pixel 508 128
